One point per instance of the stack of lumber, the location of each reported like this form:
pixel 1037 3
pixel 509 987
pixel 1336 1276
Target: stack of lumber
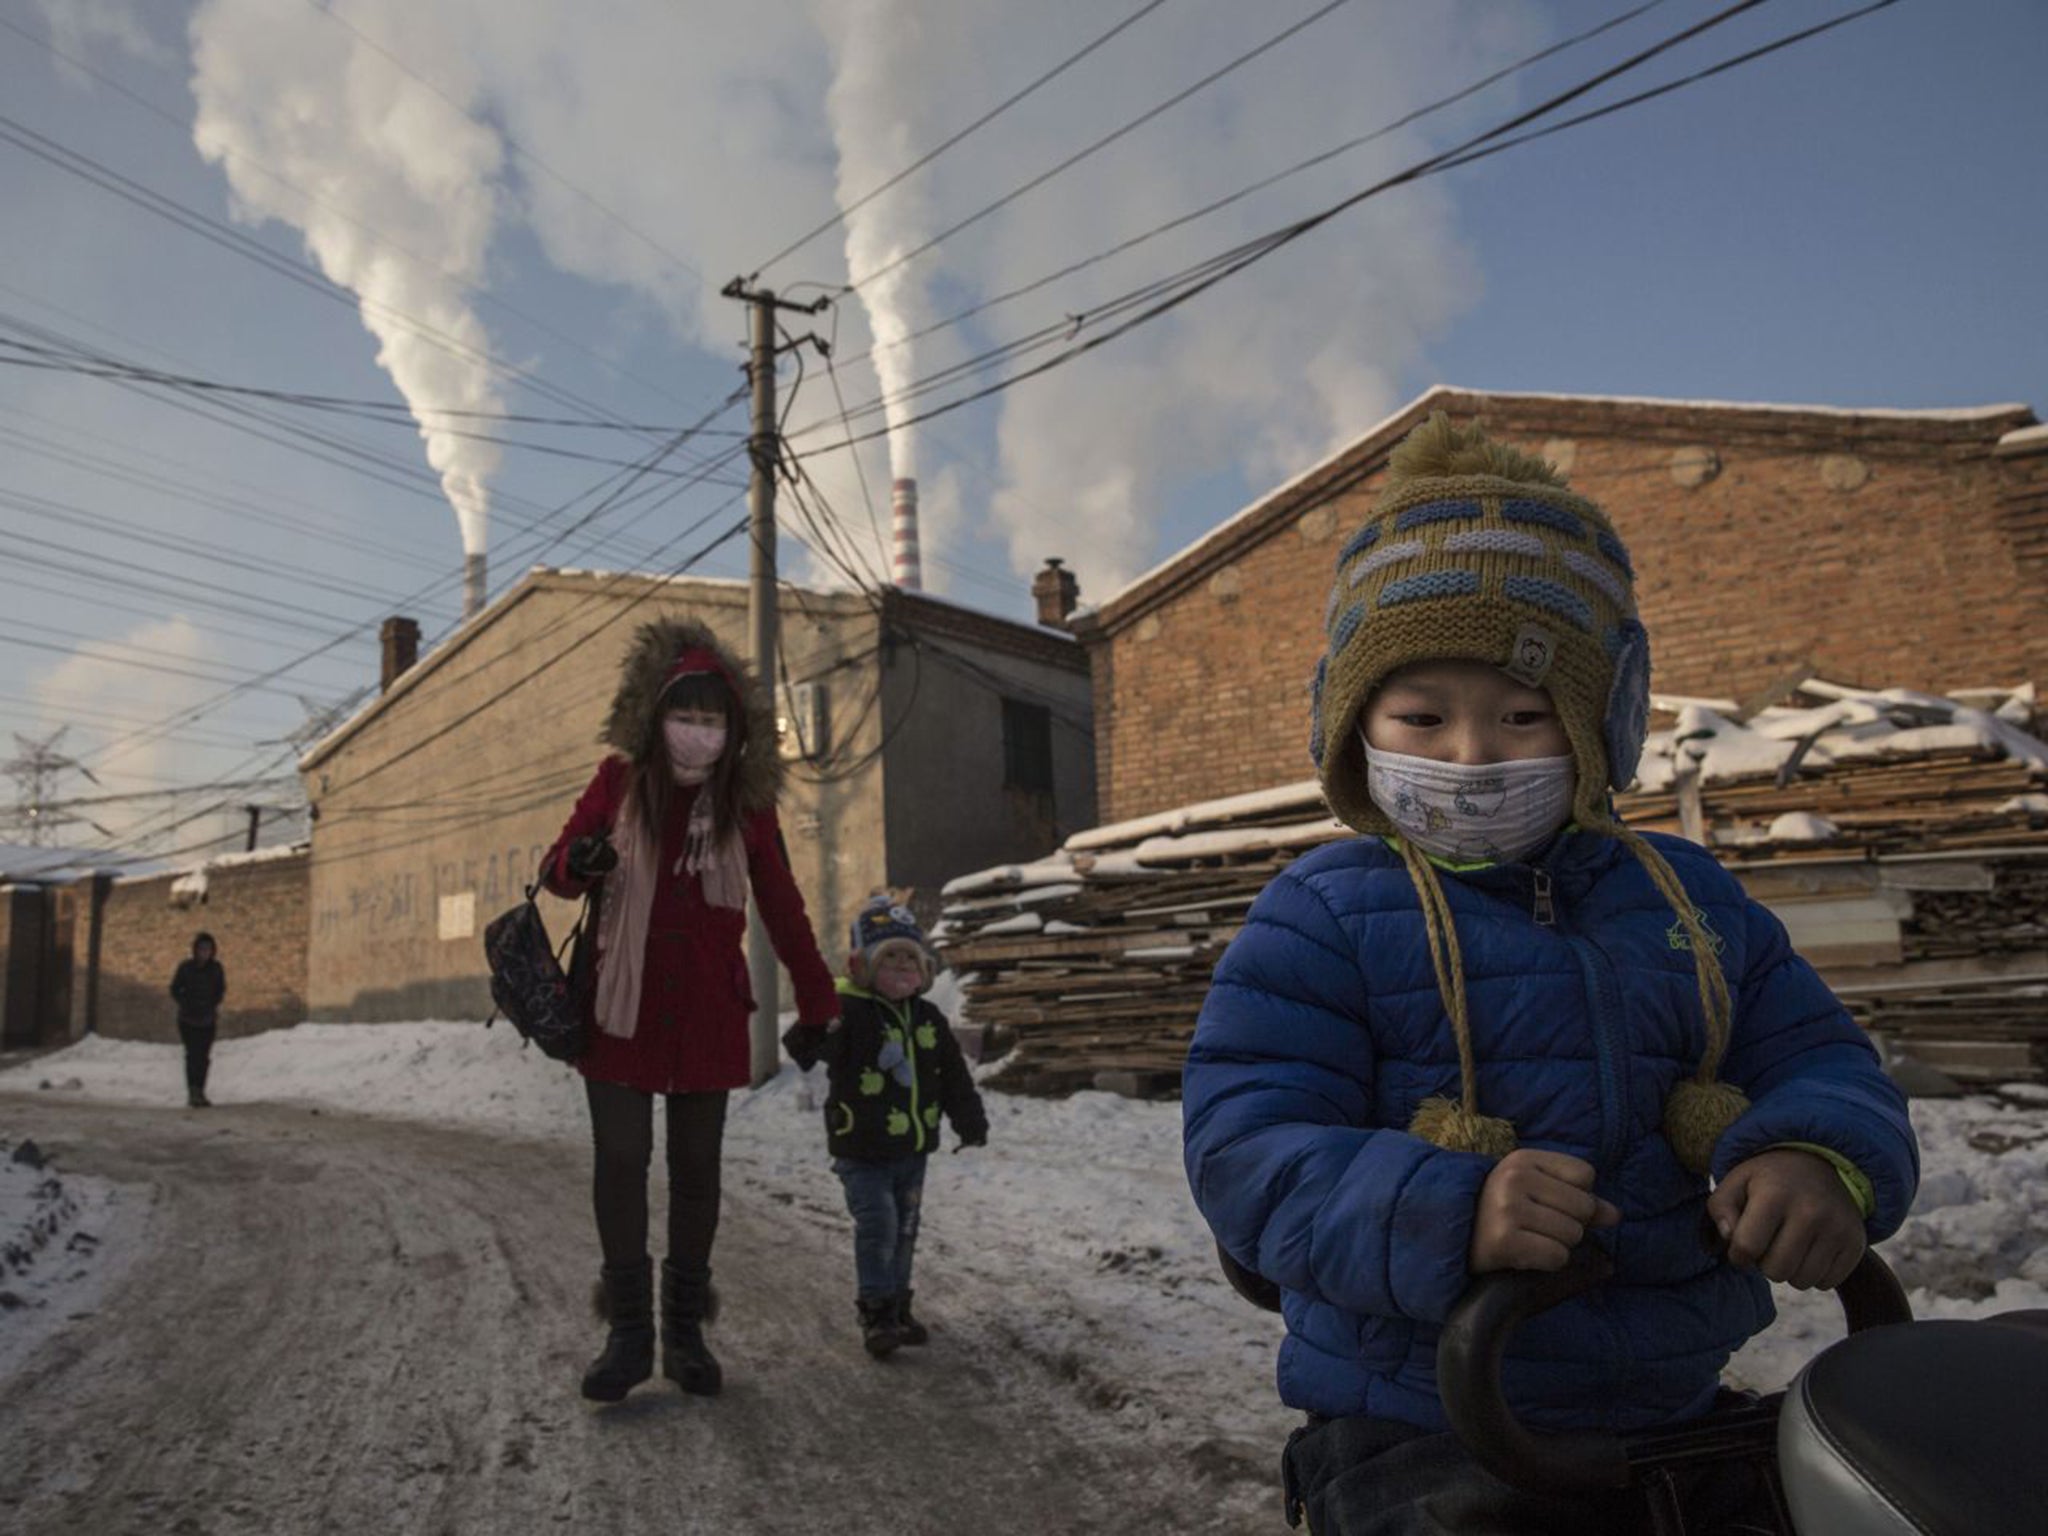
pixel 1901 837
pixel 1094 962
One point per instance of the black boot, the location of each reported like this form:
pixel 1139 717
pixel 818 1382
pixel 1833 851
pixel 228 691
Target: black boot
pixel 914 1333
pixel 879 1334
pixel 626 1297
pixel 687 1303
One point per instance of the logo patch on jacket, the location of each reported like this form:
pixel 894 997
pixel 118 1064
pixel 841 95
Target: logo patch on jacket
pixel 1680 939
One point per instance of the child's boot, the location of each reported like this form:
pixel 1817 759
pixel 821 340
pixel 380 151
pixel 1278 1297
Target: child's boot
pixel 878 1332
pixel 687 1303
pixel 626 1299
pixel 913 1332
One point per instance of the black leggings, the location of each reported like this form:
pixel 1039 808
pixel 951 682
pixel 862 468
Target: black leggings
pixel 622 1125
pixel 198 1040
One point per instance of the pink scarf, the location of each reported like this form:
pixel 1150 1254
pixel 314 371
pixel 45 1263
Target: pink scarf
pixel 720 865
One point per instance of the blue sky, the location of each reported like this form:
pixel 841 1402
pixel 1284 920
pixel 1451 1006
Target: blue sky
pixel 1856 221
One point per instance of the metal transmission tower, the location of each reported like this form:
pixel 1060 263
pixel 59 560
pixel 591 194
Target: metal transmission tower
pixel 35 770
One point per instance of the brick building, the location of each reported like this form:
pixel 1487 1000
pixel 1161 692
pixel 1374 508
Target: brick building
pixel 1894 548
pixel 924 739
pixel 254 905
pixel 85 948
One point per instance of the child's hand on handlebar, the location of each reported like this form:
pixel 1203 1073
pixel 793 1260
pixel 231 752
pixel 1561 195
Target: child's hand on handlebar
pixel 1787 1213
pixel 1534 1209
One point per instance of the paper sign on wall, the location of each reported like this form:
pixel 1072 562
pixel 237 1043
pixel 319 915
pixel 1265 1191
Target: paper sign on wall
pixel 458 915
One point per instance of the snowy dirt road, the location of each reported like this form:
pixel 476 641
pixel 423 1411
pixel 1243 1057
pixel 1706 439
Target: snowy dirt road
pixel 333 1323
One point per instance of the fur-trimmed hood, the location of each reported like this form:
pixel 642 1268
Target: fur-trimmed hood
pixel 629 725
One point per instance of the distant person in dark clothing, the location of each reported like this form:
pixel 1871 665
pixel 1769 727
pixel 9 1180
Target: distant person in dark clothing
pixel 198 988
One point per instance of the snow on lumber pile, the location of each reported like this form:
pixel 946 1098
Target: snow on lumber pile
pixel 1901 837
pixel 1093 963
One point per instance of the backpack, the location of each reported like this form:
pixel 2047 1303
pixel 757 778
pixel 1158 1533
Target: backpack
pixel 544 1003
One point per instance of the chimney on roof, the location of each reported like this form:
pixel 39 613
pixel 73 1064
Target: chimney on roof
pixel 401 639
pixel 1057 594
pixel 909 562
pixel 472 586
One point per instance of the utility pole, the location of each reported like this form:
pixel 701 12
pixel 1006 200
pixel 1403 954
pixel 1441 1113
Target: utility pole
pixel 764 448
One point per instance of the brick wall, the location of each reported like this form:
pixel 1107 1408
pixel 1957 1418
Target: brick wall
pixel 257 915
pixel 1889 551
pixel 436 810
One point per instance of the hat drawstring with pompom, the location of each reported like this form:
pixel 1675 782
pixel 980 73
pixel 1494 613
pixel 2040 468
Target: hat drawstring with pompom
pixel 1702 1107
pixel 1698 1110
pixel 1457 1127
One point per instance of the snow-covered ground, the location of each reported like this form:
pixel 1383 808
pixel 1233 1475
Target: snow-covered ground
pixel 59 1242
pixel 1077 1209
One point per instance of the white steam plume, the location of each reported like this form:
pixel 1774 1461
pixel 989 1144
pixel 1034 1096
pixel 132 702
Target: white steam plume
pixel 874 109
pixel 720 133
pixel 287 89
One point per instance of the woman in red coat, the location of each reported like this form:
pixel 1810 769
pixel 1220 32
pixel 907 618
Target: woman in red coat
pixel 674 829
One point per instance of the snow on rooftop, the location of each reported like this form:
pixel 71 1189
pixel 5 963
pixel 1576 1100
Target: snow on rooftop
pixel 2026 437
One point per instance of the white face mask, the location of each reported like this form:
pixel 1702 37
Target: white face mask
pixel 1496 813
pixel 692 749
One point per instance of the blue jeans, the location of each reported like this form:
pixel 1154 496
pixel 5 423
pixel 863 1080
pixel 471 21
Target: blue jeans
pixel 885 1199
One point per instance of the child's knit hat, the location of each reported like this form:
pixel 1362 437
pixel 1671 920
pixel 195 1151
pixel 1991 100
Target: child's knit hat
pixel 882 922
pixel 1475 551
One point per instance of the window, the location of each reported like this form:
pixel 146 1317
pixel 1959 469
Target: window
pixel 1027 747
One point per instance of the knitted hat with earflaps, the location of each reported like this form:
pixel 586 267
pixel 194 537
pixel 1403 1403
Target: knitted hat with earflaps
pixel 885 923
pixel 1475 551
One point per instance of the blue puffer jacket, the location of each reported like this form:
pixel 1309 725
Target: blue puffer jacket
pixel 1323 1030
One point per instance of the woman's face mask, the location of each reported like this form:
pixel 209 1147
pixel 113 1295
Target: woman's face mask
pixel 695 739
pixel 1494 813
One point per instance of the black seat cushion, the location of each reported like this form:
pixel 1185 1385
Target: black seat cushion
pixel 1936 1427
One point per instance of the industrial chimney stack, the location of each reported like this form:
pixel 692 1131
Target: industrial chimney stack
pixel 472 586
pixel 903 508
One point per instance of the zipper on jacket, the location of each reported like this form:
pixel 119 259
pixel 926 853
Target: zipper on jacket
pixel 1604 1011
pixel 905 1021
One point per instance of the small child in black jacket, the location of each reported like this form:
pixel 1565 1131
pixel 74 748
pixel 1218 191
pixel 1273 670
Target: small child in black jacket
pixel 894 1068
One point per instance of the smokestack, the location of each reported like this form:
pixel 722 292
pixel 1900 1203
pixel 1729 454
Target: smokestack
pixel 472 586
pixel 1057 594
pixel 401 641
pixel 903 510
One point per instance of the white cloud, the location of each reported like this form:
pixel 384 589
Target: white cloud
pixel 76 25
pixel 102 677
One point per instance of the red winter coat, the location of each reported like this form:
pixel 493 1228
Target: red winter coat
pixel 695 995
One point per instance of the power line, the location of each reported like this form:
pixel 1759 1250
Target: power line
pixel 47 359
pixel 483 296
pixel 1191 282
pixel 1099 145
pixel 1131 243
pixel 980 122
pixel 212 230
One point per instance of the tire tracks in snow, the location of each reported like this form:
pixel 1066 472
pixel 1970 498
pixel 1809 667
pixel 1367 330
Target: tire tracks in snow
pixel 342 1324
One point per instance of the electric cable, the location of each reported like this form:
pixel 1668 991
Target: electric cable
pixel 980 122
pixel 1328 7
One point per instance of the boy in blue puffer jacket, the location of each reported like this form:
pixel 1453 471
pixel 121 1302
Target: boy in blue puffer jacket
pixel 1500 1024
pixel 894 1068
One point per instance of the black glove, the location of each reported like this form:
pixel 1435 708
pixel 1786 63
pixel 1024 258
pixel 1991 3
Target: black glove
pixel 974 1138
pixel 592 856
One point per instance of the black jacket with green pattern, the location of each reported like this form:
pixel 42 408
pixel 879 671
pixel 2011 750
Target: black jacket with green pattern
pixel 894 1069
